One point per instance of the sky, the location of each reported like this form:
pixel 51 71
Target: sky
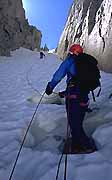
pixel 49 17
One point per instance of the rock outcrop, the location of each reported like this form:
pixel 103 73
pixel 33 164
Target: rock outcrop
pixel 15 30
pixel 89 23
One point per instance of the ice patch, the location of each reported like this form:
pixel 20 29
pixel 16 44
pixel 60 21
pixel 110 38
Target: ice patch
pixel 29 141
pixel 102 134
pixel 108 116
pixel 52 99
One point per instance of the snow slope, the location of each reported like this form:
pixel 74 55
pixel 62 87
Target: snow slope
pixel 20 74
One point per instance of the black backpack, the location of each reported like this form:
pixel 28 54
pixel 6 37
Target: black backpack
pixel 88 74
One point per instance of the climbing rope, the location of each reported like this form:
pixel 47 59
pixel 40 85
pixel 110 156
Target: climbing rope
pixel 60 160
pixel 66 146
pixel 59 163
pixel 29 82
pixel 29 125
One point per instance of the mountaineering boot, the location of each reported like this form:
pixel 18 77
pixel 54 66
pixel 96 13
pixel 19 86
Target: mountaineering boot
pixel 89 147
pixel 78 149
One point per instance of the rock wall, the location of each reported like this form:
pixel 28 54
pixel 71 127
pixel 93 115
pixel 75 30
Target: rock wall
pixel 15 30
pixel 89 23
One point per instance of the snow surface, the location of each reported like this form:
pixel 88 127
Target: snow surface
pixel 24 75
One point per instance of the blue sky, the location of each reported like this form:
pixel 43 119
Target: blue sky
pixel 49 16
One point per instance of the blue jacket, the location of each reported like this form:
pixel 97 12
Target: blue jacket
pixel 68 68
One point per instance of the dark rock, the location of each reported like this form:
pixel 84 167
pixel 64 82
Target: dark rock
pixel 15 30
pixel 89 23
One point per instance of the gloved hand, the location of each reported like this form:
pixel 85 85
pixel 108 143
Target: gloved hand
pixel 62 94
pixel 48 90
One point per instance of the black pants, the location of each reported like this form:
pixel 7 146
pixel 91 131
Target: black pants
pixel 76 108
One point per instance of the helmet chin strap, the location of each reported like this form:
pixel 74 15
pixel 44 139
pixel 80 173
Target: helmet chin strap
pixel 75 53
pixel 71 52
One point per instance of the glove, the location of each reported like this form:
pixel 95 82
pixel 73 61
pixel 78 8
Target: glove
pixel 61 94
pixel 48 90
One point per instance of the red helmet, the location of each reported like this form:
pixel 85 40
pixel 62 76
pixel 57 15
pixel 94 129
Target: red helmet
pixel 76 48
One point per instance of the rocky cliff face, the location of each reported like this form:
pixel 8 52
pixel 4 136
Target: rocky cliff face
pixel 90 24
pixel 15 30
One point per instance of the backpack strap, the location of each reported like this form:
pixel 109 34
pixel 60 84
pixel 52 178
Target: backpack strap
pixel 110 95
pixel 99 92
pixel 93 96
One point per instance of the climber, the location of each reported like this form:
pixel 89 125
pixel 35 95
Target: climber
pixel 76 101
pixel 42 55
